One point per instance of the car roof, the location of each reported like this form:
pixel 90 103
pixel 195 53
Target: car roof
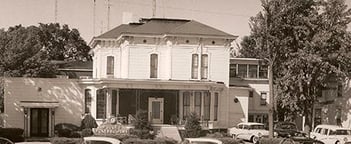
pixel 112 140
pixel 204 139
pixel 251 123
pixel 332 127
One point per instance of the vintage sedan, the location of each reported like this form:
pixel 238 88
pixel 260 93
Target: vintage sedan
pixel 248 131
pixel 332 134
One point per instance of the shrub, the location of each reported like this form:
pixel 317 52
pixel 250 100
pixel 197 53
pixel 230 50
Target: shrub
pixel 87 132
pixel 88 122
pixel 66 130
pixel 142 126
pixel 192 126
pixel 63 140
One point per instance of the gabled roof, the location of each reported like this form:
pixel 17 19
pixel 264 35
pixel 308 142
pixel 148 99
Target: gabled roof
pixel 164 27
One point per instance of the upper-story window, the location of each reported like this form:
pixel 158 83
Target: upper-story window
pixel 242 70
pixel 87 98
pixel 204 66
pixel 232 70
pixel 248 71
pixel 194 66
pixel 153 65
pixel 110 65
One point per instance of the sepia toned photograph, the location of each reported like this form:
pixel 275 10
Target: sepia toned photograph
pixel 175 72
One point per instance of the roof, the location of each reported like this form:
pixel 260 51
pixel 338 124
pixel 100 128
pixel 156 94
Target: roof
pixel 251 123
pixel 76 65
pixel 164 27
pixel 332 127
pixel 204 139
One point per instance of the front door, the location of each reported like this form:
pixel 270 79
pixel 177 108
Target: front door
pixel 156 110
pixel 39 122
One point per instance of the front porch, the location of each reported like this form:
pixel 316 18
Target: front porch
pixel 165 102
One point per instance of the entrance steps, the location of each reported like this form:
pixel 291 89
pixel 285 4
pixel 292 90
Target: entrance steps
pixel 169 131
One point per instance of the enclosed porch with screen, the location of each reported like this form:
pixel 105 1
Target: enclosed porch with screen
pixel 163 106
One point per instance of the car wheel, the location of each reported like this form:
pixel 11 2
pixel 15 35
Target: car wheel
pixel 255 139
pixel 337 142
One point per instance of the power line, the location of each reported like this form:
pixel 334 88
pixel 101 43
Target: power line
pixel 187 9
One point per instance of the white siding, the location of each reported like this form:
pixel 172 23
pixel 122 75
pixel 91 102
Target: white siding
pixel 139 62
pixel 66 91
pixel 219 64
pixel 181 63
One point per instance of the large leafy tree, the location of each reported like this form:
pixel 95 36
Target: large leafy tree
pixel 308 45
pixel 29 51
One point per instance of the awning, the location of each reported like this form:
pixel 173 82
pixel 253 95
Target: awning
pixel 39 104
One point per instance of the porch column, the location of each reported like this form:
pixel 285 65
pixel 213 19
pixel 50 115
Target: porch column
pixel 93 102
pixel 212 93
pixel 108 102
pixel 26 128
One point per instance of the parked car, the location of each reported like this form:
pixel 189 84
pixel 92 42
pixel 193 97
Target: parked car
pixel 100 140
pixel 201 141
pixel 248 131
pixel 5 141
pixel 286 130
pixel 332 134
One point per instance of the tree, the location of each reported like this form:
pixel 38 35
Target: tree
pixel 248 50
pixel 28 51
pixel 142 126
pixel 306 43
pixel 192 126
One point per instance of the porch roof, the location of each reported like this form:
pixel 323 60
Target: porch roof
pixel 39 104
pixel 155 84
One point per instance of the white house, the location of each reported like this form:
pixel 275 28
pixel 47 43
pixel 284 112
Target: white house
pixel 167 67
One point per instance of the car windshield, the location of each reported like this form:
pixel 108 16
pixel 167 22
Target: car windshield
pixel 340 132
pixel 256 126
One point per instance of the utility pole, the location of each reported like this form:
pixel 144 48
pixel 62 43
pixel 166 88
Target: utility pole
pixel 94 17
pixel 153 8
pixel 55 11
pixel 271 98
pixel 108 14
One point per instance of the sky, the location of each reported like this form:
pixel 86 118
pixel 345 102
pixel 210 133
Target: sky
pixel 231 16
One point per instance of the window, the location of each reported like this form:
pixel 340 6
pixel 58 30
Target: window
pixel 87 95
pixel 251 118
pixel 263 98
pixel 153 65
pixel 263 71
pixel 250 93
pixel 215 107
pixel 100 104
pixel 207 106
pixel 186 104
pixel 114 103
pixel 204 66
pixel 252 71
pixel 110 65
pixel 198 103
pixel 232 70
pixel 340 87
pixel 242 70
pixel 194 66
pixel 240 126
